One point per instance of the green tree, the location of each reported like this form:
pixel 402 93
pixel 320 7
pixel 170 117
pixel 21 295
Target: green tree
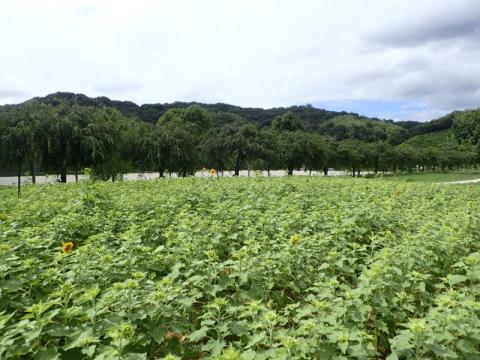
pixel 270 142
pixel 214 149
pixel 199 116
pixel 116 153
pixel 293 149
pixel 156 150
pixel 79 136
pixel 36 117
pixel 242 143
pixel 287 122
pixel 354 155
pixel 193 114
pixel 181 139
pixel 466 127
pixel 317 154
pixel 15 143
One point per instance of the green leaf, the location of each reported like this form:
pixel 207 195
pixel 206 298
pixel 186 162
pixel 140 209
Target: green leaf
pixel 89 351
pixel 158 334
pixel 49 353
pixel 442 351
pixel 467 346
pixel 248 355
pixel 135 356
pixel 255 339
pixel 392 356
pixel 78 339
pixel 456 279
pixel 401 342
pixel 237 328
pixel 198 334
pixel 343 345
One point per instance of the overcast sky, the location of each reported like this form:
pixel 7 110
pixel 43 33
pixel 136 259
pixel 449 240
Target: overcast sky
pixel 405 60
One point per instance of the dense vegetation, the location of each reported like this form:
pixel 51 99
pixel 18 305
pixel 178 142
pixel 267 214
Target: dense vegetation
pixel 435 140
pixel 64 133
pixel 279 268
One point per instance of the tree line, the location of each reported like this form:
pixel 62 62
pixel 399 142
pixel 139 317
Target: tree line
pixel 67 137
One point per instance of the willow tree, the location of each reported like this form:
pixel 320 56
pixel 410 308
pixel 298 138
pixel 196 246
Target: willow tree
pixel 155 148
pixel 181 141
pixel 242 143
pixel 293 149
pixel 36 117
pixel 15 143
pixel 214 150
pixel 181 131
pixel 317 152
pixel 270 158
pixel 80 136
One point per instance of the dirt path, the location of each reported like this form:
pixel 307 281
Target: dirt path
pixel 462 182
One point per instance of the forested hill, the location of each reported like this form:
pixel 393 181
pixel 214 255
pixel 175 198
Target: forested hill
pixel 312 117
pixel 340 125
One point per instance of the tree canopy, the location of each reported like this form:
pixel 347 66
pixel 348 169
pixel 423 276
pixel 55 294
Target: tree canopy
pixel 63 134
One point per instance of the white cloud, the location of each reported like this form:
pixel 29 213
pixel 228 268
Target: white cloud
pixel 251 53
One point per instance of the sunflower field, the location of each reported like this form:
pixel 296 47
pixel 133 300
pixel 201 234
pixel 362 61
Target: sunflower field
pixel 240 268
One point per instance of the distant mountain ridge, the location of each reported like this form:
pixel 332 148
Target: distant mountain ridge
pixel 338 124
pixel 151 112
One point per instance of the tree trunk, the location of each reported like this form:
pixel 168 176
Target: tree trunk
pixel 325 171
pixel 76 173
pixel 63 175
pixel 236 171
pixel 160 172
pixel 310 172
pixel 375 169
pixel 268 172
pixel 19 174
pixel 353 171
pixel 33 170
pixel 358 172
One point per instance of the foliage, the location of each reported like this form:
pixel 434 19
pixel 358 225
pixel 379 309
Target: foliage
pixel 363 129
pixel 63 133
pixel 437 140
pixel 288 268
pixel 287 122
pixel 466 127
pixel 443 123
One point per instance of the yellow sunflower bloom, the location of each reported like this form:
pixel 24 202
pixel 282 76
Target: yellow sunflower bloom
pixel 67 247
